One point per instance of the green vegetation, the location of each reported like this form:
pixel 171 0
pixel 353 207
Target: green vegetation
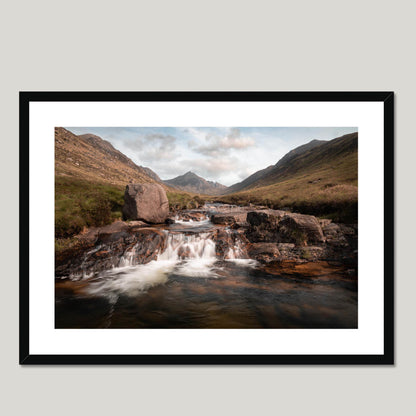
pixel 80 204
pixel 320 181
pixel 184 200
pixel 323 193
pixel 305 254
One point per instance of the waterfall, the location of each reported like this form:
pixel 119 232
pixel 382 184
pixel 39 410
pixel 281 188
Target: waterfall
pixel 192 223
pixel 184 247
pixel 84 272
pixel 183 251
pixel 235 252
pixel 129 257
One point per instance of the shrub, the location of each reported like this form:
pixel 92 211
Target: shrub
pixel 79 204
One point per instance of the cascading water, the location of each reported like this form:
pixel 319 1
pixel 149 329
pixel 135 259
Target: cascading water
pixel 200 276
pixel 194 254
pixel 236 253
pixel 190 254
pixel 129 257
pixel 191 246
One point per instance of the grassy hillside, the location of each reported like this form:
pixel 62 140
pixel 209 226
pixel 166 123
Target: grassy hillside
pixel 80 204
pixel 88 157
pixel 322 181
pixel 258 177
pixel 90 179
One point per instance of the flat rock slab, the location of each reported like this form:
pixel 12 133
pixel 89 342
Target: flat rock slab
pixel 229 217
pixel 264 252
pixel 300 229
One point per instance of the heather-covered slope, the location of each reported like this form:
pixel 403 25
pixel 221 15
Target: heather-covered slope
pixel 320 179
pixel 89 157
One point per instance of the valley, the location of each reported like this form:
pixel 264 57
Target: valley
pixel 276 250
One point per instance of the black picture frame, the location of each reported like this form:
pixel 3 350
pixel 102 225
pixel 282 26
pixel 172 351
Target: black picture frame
pixel 387 358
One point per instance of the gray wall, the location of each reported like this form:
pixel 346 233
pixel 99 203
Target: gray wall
pixel 215 45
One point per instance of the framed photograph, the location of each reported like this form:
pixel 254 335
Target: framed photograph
pixel 206 228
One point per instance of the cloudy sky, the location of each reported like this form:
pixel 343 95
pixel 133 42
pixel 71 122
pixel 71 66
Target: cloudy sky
pixel 223 154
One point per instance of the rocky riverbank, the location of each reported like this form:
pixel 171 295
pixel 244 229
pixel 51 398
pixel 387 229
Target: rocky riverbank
pixel 276 235
pixel 271 237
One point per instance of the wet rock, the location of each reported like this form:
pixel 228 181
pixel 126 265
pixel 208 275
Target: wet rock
pixel 239 224
pixel 115 245
pixel 136 224
pixel 285 246
pixel 194 216
pixel 184 252
pixel 223 241
pixel 341 243
pixel 263 225
pixel 230 243
pixel 324 222
pixel 311 253
pixel 264 252
pixel 229 218
pixel 334 236
pixel 287 250
pixel 300 229
pixel 268 217
pixel 147 202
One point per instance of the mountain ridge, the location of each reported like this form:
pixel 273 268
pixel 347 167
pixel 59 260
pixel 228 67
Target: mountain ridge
pixel 294 161
pixel 263 172
pixel 191 182
pixel 321 181
pixel 89 157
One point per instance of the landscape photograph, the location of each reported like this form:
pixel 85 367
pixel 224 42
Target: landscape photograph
pixel 206 227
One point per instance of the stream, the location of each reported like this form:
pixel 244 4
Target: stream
pixel 189 286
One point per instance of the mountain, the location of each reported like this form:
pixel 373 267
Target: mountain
pixel 152 174
pixel 248 181
pixel 257 176
pixel 191 182
pixel 299 151
pixel 90 179
pixel 319 178
pixel 314 155
pixel 89 157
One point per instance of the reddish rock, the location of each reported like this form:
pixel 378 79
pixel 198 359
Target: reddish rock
pixel 147 202
pixel 194 216
pixel 300 229
pixel 263 225
pixel 229 218
pixel 115 245
pixel 264 252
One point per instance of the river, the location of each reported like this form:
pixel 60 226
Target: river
pixel 188 286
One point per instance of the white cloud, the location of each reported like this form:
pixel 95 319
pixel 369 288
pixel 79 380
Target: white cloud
pixel 152 147
pixel 214 144
pixel 225 155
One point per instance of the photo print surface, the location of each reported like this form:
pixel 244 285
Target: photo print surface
pixel 206 227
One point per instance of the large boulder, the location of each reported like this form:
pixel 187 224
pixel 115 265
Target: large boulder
pixel 268 217
pixel 275 226
pixel 263 225
pixel 300 229
pixel 147 202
